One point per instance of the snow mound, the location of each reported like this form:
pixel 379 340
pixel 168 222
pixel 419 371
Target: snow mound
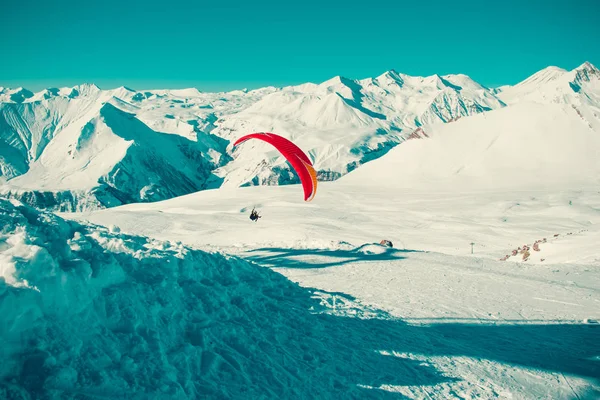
pixel 374 249
pixel 87 310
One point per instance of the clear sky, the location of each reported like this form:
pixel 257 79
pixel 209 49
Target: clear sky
pixel 231 44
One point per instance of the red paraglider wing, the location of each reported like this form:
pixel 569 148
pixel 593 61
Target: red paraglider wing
pixel 295 156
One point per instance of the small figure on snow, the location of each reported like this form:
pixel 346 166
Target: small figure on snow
pixel 254 216
pixel 386 243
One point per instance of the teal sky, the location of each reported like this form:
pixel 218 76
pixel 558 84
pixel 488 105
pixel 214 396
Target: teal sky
pixel 234 44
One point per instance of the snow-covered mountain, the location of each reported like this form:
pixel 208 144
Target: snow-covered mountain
pixel 527 146
pixel 83 147
pixel 548 136
pixel 556 85
pixel 91 152
pixel 344 123
pixel 17 95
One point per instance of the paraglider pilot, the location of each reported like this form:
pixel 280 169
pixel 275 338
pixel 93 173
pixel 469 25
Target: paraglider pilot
pixel 254 215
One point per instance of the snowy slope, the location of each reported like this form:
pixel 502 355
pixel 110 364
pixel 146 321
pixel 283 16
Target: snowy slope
pixel 498 329
pixel 524 146
pixel 100 156
pixel 75 154
pixel 87 311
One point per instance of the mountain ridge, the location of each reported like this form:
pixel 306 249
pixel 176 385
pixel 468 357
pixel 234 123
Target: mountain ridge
pixel 342 123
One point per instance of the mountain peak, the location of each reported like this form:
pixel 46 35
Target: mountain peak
pixel 438 82
pixel 17 95
pixel 545 75
pixel 87 85
pixel 336 80
pixel 124 88
pixel 586 72
pixel 391 76
pixel 392 73
pixel 187 92
pixel 85 89
pixel 342 85
pixel 587 66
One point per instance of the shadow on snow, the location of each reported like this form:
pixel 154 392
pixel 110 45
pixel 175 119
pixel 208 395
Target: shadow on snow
pixel 320 258
pixel 563 348
pixel 206 326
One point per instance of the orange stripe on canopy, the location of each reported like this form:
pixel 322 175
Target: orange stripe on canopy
pixel 313 178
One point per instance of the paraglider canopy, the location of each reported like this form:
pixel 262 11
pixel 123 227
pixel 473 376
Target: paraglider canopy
pixel 294 155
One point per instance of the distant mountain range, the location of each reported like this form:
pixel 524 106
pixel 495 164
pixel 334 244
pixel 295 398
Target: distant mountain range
pixel 83 148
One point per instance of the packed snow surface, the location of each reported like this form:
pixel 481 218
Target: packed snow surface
pixel 95 312
pixel 524 326
pixel 89 312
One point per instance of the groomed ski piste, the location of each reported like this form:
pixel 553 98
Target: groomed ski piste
pixel 489 328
